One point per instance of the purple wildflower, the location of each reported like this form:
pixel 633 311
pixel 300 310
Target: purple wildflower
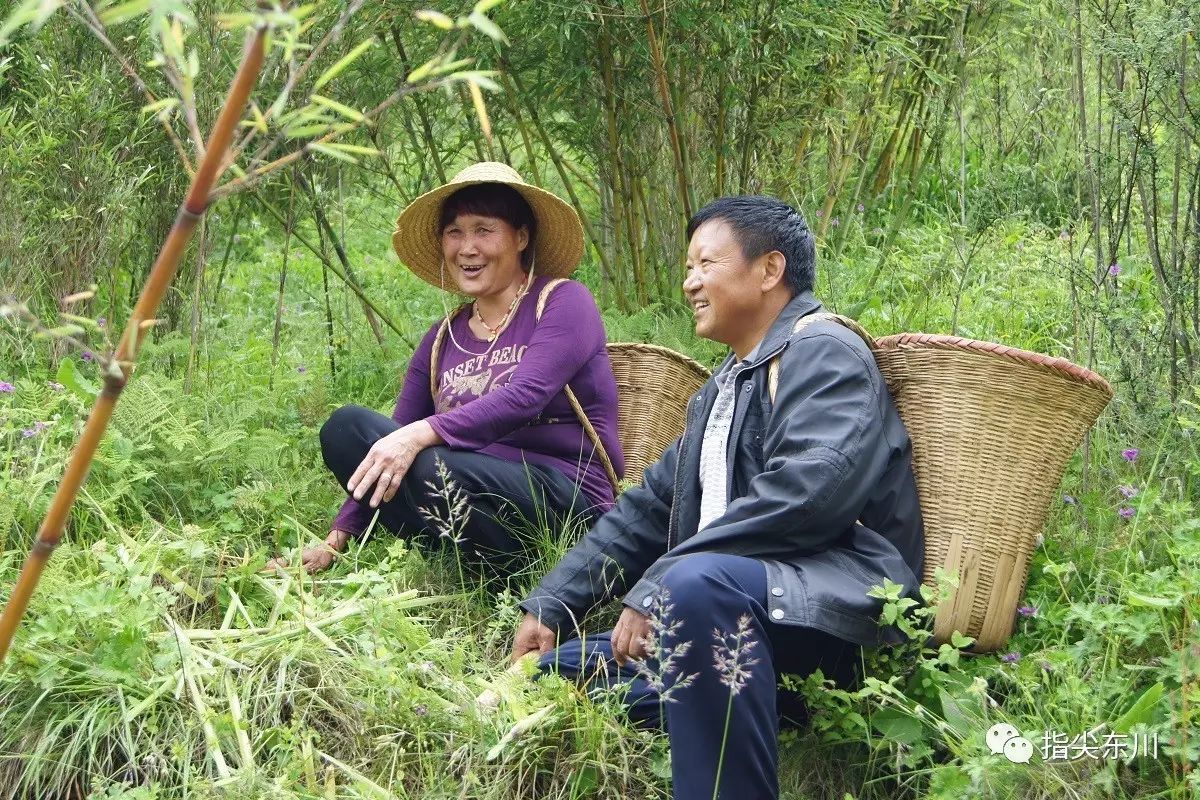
pixel 28 433
pixel 1027 611
pixel 1114 269
pixel 835 222
pixel 55 386
pixel 1011 658
pixel 1069 499
pixel 1126 512
pixel 1127 491
pixel 420 709
pixel 861 208
pixel 1064 236
pixel 1103 599
pixel 7 388
pixel 1130 454
pixel 88 355
pixel 1046 665
pixel 820 213
pixel 302 369
pixel 101 322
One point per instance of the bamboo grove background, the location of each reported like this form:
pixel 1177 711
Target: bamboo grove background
pixel 1075 115
pixel 1023 172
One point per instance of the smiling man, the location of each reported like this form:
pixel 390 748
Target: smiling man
pixel 749 548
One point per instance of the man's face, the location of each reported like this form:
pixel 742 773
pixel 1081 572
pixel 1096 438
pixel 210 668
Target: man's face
pixel 723 288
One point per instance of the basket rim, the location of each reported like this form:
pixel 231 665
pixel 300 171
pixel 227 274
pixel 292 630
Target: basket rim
pixel 659 350
pixel 1068 369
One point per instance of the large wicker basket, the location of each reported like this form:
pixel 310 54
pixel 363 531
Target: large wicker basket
pixel 992 429
pixel 653 387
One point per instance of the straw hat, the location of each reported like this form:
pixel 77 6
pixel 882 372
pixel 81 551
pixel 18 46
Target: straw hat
pixel 418 242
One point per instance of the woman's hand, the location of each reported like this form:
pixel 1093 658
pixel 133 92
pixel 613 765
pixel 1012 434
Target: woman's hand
pixel 388 462
pixel 316 559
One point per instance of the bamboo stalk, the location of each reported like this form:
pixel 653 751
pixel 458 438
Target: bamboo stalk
pixel 664 91
pixel 120 368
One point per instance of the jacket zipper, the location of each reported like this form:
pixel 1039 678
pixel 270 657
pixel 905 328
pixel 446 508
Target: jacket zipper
pixel 673 517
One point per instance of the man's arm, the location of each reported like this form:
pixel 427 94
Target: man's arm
pixel 824 452
pixel 613 554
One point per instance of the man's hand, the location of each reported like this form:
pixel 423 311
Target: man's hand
pixel 388 461
pixel 532 636
pixel 629 636
pixel 315 559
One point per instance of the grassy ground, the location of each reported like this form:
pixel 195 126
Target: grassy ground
pixel 156 660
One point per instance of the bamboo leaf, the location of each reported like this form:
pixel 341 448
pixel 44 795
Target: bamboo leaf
pixel 487 27
pixel 435 18
pixel 161 106
pixel 353 148
pixel 476 76
pixel 115 15
pixel 484 6
pixel 82 321
pixel 344 62
pixel 341 108
pixel 305 131
pixel 436 66
pixel 332 152
pixel 480 109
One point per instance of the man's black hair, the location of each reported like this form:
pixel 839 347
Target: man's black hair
pixel 762 224
pixel 493 200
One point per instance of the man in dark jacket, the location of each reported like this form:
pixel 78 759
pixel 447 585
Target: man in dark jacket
pixel 749 548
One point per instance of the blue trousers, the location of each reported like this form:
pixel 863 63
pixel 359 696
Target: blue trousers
pixel 709 594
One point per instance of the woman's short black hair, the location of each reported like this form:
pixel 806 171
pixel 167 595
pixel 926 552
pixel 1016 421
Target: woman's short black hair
pixel 763 224
pixel 493 200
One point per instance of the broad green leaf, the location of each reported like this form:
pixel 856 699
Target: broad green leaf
pixel 70 377
pixel 899 726
pixel 436 18
pixel 1141 711
pixel 487 27
pixel 1136 599
pixel 344 62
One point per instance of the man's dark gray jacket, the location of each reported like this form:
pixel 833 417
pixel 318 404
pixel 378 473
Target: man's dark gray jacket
pixel 820 490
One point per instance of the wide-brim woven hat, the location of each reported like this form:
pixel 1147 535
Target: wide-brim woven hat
pixel 558 247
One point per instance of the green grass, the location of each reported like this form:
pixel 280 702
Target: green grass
pixel 155 651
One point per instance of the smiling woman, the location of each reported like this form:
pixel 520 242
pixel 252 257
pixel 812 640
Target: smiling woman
pixel 484 439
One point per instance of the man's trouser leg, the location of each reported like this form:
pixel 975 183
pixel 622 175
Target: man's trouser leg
pixel 712 592
pixel 504 496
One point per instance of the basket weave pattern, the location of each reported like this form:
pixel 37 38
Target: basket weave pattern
pixel 653 387
pixel 992 429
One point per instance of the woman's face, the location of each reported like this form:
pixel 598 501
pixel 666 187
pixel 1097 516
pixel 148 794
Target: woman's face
pixel 483 254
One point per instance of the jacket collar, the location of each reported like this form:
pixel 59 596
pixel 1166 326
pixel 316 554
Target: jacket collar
pixel 780 331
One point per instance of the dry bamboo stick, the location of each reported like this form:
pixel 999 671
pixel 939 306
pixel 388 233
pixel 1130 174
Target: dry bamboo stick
pixel 121 366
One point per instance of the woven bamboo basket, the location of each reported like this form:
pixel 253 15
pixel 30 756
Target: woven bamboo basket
pixel 653 387
pixel 992 429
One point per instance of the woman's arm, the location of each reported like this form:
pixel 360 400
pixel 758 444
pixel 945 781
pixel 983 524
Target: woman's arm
pixel 569 333
pixel 414 402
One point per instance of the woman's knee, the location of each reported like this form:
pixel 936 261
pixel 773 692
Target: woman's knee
pixel 343 437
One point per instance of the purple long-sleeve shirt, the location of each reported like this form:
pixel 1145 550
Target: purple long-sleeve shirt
pixel 510 402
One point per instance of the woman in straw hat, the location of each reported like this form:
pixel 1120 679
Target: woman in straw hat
pixel 487 401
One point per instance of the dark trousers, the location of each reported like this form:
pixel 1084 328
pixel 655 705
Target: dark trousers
pixel 708 592
pixel 502 497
